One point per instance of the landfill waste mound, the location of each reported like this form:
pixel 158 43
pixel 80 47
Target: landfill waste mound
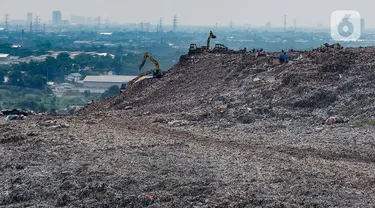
pixel 218 130
pixel 312 87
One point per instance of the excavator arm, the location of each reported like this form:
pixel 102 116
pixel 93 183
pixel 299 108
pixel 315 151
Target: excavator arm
pixel 131 83
pixel 157 69
pixel 145 57
pixel 193 49
pixel 211 35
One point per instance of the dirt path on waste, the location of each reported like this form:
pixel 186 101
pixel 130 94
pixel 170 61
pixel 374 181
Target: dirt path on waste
pixel 81 162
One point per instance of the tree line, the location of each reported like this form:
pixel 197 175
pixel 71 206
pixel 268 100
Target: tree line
pixel 36 74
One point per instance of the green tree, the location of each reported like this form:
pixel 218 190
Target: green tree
pixel 63 57
pixel 2 75
pixel 42 108
pixel 27 104
pixel 53 101
pixel 84 60
pixel 33 68
pixel 51 111
pixel 64 64
pixel 15 78
pixel 117 65
pixel 51 69
pixel 87 93
pixel 111 92
pixel 35 81
pixel 119 51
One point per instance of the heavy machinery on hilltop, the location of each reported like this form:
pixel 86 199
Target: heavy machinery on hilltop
pixel 220 48
pixel 155 72
pixel 211 35
pixel 193 49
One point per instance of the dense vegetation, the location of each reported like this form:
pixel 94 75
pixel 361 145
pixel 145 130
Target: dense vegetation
pixel 24 52
pixel 111 92
pixel 34 99
pixel 36 74
pixel 26 82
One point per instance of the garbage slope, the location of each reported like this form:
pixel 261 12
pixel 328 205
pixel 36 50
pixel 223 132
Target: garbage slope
pixel 113 158
pixel 312 87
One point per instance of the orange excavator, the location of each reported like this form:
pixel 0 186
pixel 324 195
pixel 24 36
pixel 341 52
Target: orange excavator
pixel 156 72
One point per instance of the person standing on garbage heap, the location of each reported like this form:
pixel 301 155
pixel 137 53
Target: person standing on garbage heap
pixel 257 54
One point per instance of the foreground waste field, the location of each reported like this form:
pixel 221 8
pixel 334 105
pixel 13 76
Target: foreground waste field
pixel 218 130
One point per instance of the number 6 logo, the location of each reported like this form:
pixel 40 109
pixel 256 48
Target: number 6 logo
pixel 345 25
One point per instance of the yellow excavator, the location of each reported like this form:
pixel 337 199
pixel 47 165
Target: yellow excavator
pixel 211 35
pixel 193 49
pixel 156 72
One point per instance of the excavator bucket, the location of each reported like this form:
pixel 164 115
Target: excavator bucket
pixel 213 36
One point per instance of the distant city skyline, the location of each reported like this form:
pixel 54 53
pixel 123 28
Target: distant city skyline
pixel 56 17
pixel 193 12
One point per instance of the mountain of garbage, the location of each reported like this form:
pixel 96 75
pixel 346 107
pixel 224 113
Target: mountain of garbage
pixel 217 130
pixel 312 85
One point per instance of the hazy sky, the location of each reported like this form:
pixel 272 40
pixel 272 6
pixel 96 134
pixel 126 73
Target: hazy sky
pixel 194 12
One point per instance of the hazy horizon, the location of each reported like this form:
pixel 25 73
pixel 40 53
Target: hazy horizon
pixel 194 12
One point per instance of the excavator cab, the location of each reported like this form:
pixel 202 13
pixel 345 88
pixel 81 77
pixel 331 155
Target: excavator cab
pixel 123 88
pixel 192 49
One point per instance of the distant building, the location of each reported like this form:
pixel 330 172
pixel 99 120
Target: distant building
pixel 107 21
pixel 29 17
pixel 268 25
pixel 106 33
pixel 56 17
pixel 64 87
pixel 100 54
pixel 50 84
pixel 362 24
pixel 65 22
pixel 4 57
pixel 79 20
pixel 17 21
pixel 89 20
pixel 73 77
pixel 362 28
pixel 82 42
pixel 106 81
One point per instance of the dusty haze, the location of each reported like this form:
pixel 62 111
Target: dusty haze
pixel 194 12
